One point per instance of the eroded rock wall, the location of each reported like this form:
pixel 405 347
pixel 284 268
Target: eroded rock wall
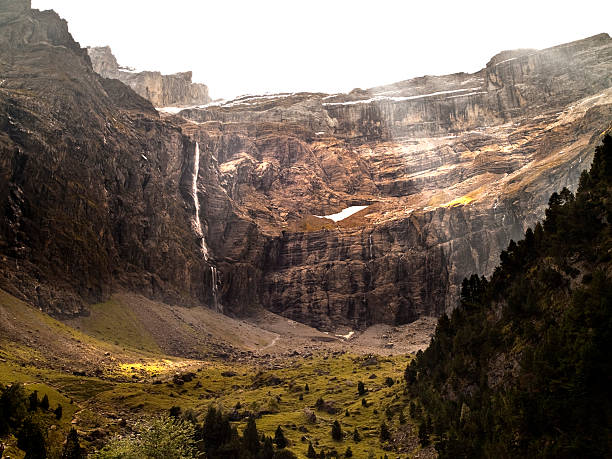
pixel 161 90
pixel 451 168
pixel 90 179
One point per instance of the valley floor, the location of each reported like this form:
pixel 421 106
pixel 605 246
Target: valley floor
pixel 133 357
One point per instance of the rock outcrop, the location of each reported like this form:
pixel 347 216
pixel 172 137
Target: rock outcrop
pixel 162 90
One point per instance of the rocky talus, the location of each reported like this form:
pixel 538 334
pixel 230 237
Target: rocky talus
pixel 222 205
pixel 161 90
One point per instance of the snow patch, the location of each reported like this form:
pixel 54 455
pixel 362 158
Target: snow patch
pixel 507 60
pixel 343 214
pixel 399 98
pixel 468 94
pixel 348 336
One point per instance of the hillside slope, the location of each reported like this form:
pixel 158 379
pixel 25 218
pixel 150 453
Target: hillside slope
pixel 522 367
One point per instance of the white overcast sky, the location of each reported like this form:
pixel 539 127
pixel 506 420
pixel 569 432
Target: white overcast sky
pixel 238 47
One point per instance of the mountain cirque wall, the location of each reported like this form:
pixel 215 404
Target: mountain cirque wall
pixel 161 90
pixel 451 168
pixel 96 192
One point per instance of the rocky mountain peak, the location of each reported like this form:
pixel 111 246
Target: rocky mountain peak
pixel 162 90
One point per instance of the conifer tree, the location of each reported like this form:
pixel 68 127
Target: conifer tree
pixel 384 432
pixel 336 431
pixel 72 448
pixel 279 438
pixel 44 404
pixel 250 437
pixel 311 451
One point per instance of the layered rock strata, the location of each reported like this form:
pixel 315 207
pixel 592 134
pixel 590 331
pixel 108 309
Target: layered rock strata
pixel 161 90
pixel 450 169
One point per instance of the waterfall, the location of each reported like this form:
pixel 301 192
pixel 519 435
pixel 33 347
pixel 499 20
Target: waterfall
pixel 196 201
pixel 215 288
pixel 371 246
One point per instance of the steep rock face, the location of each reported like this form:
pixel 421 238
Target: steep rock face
pixel 161 90
pixel 450 169
pixel 92 182
pixel 97 193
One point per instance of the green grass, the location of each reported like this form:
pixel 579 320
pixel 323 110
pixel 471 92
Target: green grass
pixel 112 322
pixel 125 389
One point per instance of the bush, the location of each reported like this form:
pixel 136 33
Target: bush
pixel 160 438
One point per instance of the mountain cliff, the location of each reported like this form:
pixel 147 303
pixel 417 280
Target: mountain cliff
pixel 448 168
pixel 96 192
pixel 161 90
pixel 218 205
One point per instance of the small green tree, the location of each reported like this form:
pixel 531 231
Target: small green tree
pixel 279 438
pixel 72 448
pixel 306 388
pixel 311 451
pixel 44 404
pixel 361 390
pixel 31 440
pixel 58 412
pixel 348 452
pixel 356 436
pixel 250 437
pixel 385 435
pixel 33 401
pixel 160 438
pixel 267 450
pixel 389 381
pixel 336 431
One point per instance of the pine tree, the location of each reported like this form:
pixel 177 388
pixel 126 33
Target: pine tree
pixel 361 388
pixel 44 404
pixel 58 412
pixel 384 432
pixel 348 452
pixel 311 451
pixel 30 438
pixel 267 450
pixel 336 431
pixel 33 401
pixel 356 436
pixel 72 448
pixel 250 437
pixel 279 438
